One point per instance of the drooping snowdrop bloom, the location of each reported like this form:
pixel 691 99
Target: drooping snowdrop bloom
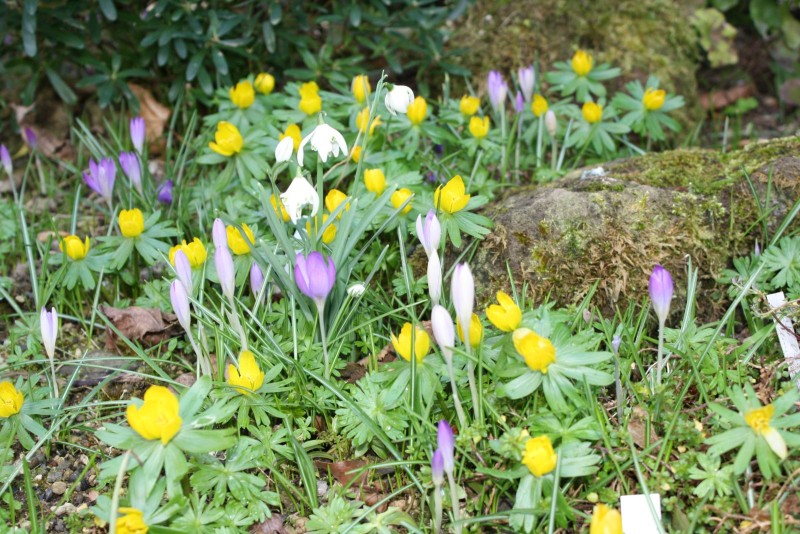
pixel 299 195
pixel 325 140
pixel 398 99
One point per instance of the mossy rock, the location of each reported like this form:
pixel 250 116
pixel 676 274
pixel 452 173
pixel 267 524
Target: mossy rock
pixel 610 224
pixel 642 37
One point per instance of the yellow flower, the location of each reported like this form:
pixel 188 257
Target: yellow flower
pixel 310 104
pixel 274 199
pixel 758 419
pixel 330 231
pixel 294 132
pixel 539 105
pixel 309 89
pixel 238 244
pixel 451 197
pixel 475 331
pixel 249 375
pixel 653 99
pixel 479 127
pixel 195 252
pixel 605 520
pixel 417 110
pixel 75 248
pixel 334 198
pixel 242 95
pixel 158 417
pixel 356 153
pixel 582 63
pixel 11 399
pixel 469 105
pixel 131 222
pixel 402 343
pixel 227 141
pixel 132 522
pixel 375 181
pixel 361 88
pixel 539 455
pixel 506 315
pixel 265 83
pixel 399 197
pixel 592 112
pixel 538 351
pixel 361 121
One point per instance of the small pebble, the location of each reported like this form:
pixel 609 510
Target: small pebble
pixel 66 508
pixel 59 488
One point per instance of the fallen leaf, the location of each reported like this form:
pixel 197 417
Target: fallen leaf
pixel 720 99
pixel 154 113
pixel 148 325
pixel 273 525
pixel 341 471
pixel 637 426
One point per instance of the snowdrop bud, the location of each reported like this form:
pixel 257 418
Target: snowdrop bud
pixel 429 232
pixel 180 303
pixel 398 99
pixel 49 325
pixel 463 295
pixel 447 445
pixel 443 331
pixel 434 277
pixel 183 269
pixel 5 159
pixel 550 122
pixel 256 279
pixel 223 261
pixel 356 290
pixel 284 150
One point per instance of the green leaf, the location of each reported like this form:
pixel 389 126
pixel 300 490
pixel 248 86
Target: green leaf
pixel 61 88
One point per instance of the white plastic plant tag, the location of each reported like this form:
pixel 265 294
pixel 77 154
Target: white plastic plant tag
pixel 636 515
pixel 786 336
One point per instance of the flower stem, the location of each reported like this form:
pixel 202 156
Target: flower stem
pixel 554 500
pixel 462 419
pixel 660 353
pixel 471 375
pixel 324 336
pixel 437 508
pixel 454 503
pixel 237 325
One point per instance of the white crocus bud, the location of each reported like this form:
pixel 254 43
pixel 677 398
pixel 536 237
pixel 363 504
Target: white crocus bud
pixel 300 194
pixel 550 122
pixel 184 270
pixel 180 304
pixel 284 150
pixel 434 277
pixel 463 295
pixel 49 325
pixel 443 331
pixel 325 140
pixel 398 99
pixel 429 232
pixel 219 234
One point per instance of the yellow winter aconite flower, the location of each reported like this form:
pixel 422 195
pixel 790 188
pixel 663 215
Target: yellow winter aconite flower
pixel 131 222
pixel 363 117
pixel 310 104
pixel 309 89
pixel 605 520
pixel 451 197
pixel 402 343
pixel 375 181
pixel 238 244
pixel 274 200
pixel 539 105
pixel 131 522
pixel 592 112
pixel 505 315
pixel 356 153
pixel 195 252
pixel 334 198
pixel 417 110
pixel 475 331
pixel 759 419
pixel 361 88
pixel 227 140
pixel 248 375
pixel 653 99
pixel 158 417
pixel 265 83
pixel 242 94
pixel 469 105
pixel 11 399
pixel 294 132
pixel 582 63
pixel 479 127
pixel 538 351
pixel 399 197
pixel 74 247
pixel 539 457
pixel 330 231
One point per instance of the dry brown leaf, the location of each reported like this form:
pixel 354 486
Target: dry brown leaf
pixel 154 113
pixel 720 99
pixel 637 427
pixel 148 325
pixel 341 471
pixel 273 525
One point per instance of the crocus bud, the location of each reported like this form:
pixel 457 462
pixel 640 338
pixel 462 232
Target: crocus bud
pixel 434 277
pixel 5 159
pixel 526 79
pixel 398 99
pixel 180 303
pixel 137 129
pixel 616 341
pixel 437 468
pixel 219 234
pixel 550 122
pixel 183 269
pixel 429 232
pixel 443 330
pixel 256 279
pixel 223 261
pixel 520 103
pixel 463 295
pixel 130 166
pixel 315 276
pixel 49 325
pixel 30 138
pixel 498 90
pixel 661 289
pixel 447 445
pixel 757 249
pixel 284 150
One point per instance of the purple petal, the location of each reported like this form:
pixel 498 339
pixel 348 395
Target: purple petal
pixel 447 444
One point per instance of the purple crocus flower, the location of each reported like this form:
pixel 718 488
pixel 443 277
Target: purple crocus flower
pixel 30 137
pixel 137 134
pixel 5 159
pixel 315 276
pixel 183 269
pixel 165 192
pixel 616 341
pixel 101 176
pixel 226 273
pixel 220 234
pixel 498 90
pixel 256 278
pixel 180 303
pixel 437 468
pixel 130 166
pixel 447 445
pixel 527 80
pixel 661 289
pixel 429 232
pixel 520 103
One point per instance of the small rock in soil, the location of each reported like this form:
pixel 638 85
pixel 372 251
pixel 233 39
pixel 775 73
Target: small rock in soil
pixel 66 508
pixel 59 488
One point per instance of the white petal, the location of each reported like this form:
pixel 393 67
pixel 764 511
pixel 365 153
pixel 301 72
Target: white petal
pixel 300 194
pixel 284 150
pixel 776 442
